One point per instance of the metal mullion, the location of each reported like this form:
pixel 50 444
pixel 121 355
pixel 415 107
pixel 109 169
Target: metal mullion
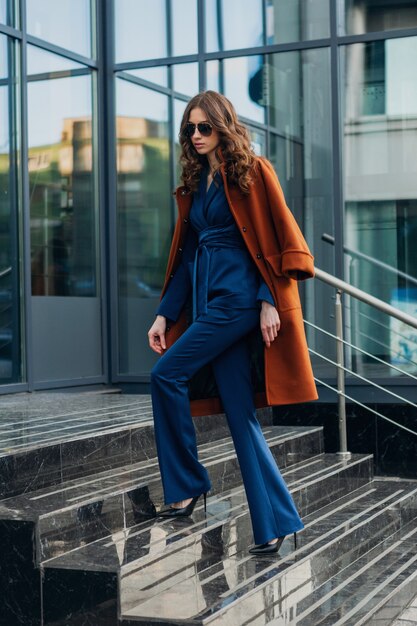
pixel 14 217
pixel 338 207
pixel 109 186
pixel 13 388
pixel 64 52
pixel 178 95
pixel 264 23
pixel 169 60
pixel 265 76
pixel 58 74
pixel 26 252
pixel 100 109
pixel 270 49
pixel 142 82
pixel 10 31
pixel 201 46
pixel 377 36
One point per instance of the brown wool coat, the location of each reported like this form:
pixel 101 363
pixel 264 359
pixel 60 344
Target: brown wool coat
pixel 281 254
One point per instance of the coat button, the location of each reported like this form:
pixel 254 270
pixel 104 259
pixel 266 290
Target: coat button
pixel 179 250
pixel 183 192
pixel 185 220
pixel 244 229
pixel 168 328
pixel 171 275
pixel 259 256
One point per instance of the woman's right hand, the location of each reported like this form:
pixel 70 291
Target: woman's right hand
pixel 156 334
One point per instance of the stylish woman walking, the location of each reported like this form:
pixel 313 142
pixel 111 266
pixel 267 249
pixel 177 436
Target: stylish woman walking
pixel 237 252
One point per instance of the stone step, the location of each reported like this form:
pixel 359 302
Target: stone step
pixel 165 546
pixel 40 525
pixel 48 438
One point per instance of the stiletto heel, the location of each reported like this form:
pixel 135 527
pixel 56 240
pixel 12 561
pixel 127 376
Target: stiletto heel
pixel 295 541
pixel 205 502
pixel 183 511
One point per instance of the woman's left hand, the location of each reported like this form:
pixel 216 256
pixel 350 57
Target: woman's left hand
pixel 270 322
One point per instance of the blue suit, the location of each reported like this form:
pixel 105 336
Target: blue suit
pixel 227 291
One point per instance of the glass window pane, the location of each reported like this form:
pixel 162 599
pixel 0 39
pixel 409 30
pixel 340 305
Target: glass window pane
pixel 141 30
pixel 144 204
pixel 301 151
pixel 62 198
pixel 297 20
pixel 8 12
pixel 40 61
pixel 244 86
pixel 10 311
pixel 213 75
pixel 380 173
pixel 158 74
pixel 185 76
pixel 364 16
pixel 3 12
pixel 184 27
pixel 66 23
pixel 228 26
pixel 179 108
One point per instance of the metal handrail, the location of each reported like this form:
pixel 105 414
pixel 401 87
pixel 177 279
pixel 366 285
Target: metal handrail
pixel 6 271
pixel 357 293
pixel 342 286
pixel 360 255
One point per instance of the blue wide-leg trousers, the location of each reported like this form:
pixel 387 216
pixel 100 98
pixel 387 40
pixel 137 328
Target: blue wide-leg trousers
pixel 272 510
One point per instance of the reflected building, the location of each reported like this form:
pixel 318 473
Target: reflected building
pixel 89 150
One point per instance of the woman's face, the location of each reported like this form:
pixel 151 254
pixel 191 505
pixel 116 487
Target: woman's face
pixel 203 145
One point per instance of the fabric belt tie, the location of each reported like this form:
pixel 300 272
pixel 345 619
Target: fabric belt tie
pixel 216 237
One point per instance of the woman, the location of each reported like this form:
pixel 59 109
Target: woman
pixel 215 257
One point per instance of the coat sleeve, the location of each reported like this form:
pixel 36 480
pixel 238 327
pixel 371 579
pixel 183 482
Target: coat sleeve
pixel 296 259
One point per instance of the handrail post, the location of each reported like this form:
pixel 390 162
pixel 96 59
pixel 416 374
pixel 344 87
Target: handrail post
pixel 343 451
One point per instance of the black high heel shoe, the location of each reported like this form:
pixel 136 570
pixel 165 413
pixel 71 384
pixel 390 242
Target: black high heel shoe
pixel 185 510
pixel 270 548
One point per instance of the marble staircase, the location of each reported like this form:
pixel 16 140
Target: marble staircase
pixel 81 544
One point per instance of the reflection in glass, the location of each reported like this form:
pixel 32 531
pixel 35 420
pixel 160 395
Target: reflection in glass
pixel 301 151
pixel 144 214
pixel 244 85
pixel 185 77
pixel 158 74
pixel 228 27
pixel 66 23
pixel 297 20
pixel 184 27
pixel 10 342
pixel 62 198
pixel 380 173
pixel 141 30
pixel 364 16
pixel 258 140
pixel 40 61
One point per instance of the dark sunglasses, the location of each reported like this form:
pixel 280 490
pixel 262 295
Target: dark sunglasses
pixel 204 128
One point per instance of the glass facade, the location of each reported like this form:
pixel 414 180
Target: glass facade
pixel 85 229
pixel 11 335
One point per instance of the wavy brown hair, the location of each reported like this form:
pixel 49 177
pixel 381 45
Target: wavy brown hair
pixel 235 143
